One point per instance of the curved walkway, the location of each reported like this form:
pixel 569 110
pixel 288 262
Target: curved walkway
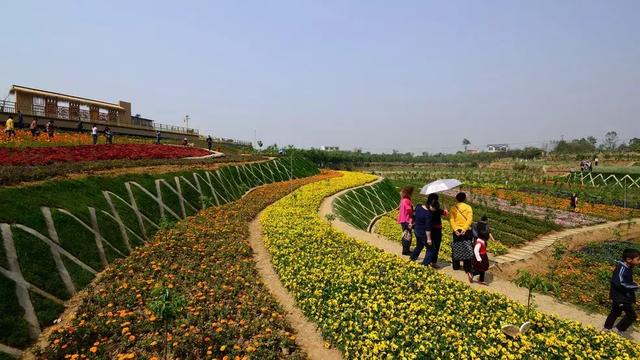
pixel 545 241
pixel 307 335
pixel 543 303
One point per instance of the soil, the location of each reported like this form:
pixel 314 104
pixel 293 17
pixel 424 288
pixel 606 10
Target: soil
pixel 308 337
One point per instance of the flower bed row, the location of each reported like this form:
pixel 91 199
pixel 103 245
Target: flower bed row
pixel 227 310
pixel 561 217
pixel 388 227
pixel 49 155
pixel 372 304
pixel 598 210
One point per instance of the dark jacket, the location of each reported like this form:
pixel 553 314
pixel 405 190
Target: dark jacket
pixel 422 221
pixel 623 289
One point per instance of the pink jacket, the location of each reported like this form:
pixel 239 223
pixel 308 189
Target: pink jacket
pixel 406 211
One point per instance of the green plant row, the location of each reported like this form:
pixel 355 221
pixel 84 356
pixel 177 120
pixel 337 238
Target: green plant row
pixel 375 305
pixel 360 206
pixel 119 213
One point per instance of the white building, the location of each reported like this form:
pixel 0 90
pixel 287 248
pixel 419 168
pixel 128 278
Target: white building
pixel 329 148
pixel 497 147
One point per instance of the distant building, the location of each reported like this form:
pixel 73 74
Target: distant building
pixel 497 147
pixel 329 148
pixel 472 151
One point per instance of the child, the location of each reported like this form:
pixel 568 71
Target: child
pixel 622 292
pixel 480 258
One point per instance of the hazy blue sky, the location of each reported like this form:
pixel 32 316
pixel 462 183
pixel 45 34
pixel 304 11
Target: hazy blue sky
pixel 380 75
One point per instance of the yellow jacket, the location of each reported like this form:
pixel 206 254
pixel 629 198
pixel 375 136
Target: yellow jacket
pixel 460 217
pixel 8 125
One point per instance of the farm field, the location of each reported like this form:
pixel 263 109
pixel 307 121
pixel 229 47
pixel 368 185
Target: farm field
pixel 65 232
pixel 215 279
pixel 124 241
pixel 371 304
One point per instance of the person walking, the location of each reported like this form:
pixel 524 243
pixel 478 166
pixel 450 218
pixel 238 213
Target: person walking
pixel 9 129
pixel 596 161
pixel 51 129
pixel 461 217
pixel 108 135
pixel 405 218
pixel 33 127
pixel 573 202
pixel 422 230
pixel 158 137
pixel 623 292
pixel 80 127
pixel 20 120
pixel 209 142
pixel 433 246
pixel 481 233
pixel 94 134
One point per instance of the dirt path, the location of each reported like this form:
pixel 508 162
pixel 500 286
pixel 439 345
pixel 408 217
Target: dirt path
pixel 544 303
pixel 307 335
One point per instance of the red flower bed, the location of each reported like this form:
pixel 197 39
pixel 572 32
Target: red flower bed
pixel 56 154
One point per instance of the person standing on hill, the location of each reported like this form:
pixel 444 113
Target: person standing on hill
pixel 94 134
pixel 461 217
pixel 51 129
pixel 209 142
pixel 157 137
pixel 596 161
pixel 20 120
pixel 405 218
pixel 33 127
pixel 623 292
pixel 573 202
pixel 108 134
pixel 9 130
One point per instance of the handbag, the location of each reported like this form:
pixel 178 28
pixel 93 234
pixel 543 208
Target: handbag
pixel 406 235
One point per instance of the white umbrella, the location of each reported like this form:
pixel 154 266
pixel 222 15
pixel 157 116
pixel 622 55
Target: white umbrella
pixel 440 186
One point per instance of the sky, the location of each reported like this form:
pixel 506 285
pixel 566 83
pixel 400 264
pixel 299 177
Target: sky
pixel 415 76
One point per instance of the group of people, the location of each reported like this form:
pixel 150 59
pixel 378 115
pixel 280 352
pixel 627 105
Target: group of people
pixel 108 134
pixel 469 247
pixel 10 127
pixel 469 239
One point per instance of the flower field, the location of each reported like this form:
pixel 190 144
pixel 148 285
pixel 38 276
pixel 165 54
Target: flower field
pixel 598 210
pixel 62 138
pixel 388 227
pixel 96 221
pixel 583 276
pixel 562 218
pixel 371 304
pixel 228 312
pixel 50 155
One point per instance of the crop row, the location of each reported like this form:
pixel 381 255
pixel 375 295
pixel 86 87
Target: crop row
pixel 598 210
pixel 50 155
pixel 360 206
pixel 388 227
pixel 206 261
pixel 372 304
pixel 58 235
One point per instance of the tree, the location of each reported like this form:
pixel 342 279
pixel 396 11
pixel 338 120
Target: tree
pixel 466 143
pixel 634 144
pixel 260 144
pixel 592 140
pixel 610 140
